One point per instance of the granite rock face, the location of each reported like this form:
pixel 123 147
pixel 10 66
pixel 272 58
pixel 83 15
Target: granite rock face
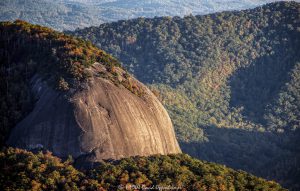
pixel 102 119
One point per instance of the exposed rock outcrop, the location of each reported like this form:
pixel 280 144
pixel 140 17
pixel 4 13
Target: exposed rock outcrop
pixel 102 118
pixel 86 105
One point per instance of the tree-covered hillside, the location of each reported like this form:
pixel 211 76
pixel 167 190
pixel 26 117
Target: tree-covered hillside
pixel 23 170
pixel 230 81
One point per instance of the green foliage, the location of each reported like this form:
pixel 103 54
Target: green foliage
pixel 60 54
pixel 219 73
pixel 265 154
pixel 63 85
pixel 285 114
pixel 23 170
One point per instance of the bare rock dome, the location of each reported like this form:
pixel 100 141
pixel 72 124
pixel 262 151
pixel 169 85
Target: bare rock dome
pixel 102 118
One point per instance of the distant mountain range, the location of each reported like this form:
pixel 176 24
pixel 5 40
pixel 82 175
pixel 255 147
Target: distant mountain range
pixel 72 14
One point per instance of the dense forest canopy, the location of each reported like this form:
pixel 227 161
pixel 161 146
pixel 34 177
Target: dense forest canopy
pixel 23 170
pixel 229 80
pixel 211 60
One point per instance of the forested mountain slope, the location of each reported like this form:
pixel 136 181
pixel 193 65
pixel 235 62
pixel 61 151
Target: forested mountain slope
pixel 230 81
pixel 70 14
pixel 23 170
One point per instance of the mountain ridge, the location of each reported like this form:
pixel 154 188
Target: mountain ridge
pixel 69 15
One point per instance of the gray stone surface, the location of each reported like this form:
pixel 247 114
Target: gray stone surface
pixel 103 119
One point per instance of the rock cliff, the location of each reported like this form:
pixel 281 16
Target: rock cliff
pixel 103 119
pixel 97 109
